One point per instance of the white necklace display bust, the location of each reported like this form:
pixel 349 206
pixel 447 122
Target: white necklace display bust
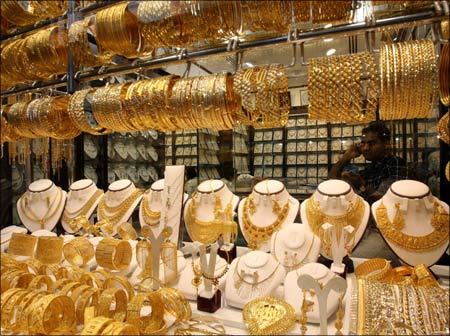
pixel 294 246
pixel 41 206
pixel 333 202
pixel 268 206
pixel 82 199
pixel 410 208
pixel 150 207
pixel 255 274
pixel 294 295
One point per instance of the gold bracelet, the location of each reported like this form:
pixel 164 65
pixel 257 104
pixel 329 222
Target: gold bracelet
pixel 106 299
pixel 89 298
pixel 122 282
pixel 373 269
pixel 155 320
pixel 96 325
pixel 175 304
pixel 126 231
pixel 22 244
pixel 49 249
pixel 120 328
pixel 40 280
pixel 113 254
pixel 78 252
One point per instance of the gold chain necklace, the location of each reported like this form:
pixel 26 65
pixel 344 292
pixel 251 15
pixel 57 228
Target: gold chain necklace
pixel 150 217
pixel 42 220
pixel 316 218
pixel 246 289
pixel 73 218
pixel 439 221
pixel 207 232
pixel 256 234
pixel 294 265
pixel 122 208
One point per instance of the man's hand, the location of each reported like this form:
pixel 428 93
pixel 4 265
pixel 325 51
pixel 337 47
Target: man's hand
pixel 352 152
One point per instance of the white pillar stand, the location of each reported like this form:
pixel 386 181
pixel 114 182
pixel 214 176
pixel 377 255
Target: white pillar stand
pixel 338 250
pixel 208 267
pixel 338 284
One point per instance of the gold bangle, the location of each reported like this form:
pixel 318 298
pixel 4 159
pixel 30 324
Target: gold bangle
pixel 373 269
pixel 175 304
pixel 155 320
pixel 49 249
pixel 106 299
pixel 126 231
pixel 113 254
pixel 96 325
pixel 89 298
pixel 78 252
pixel 40 280
pixel 22 244
pixel 91 279
pixel 123 283
pixel 9 301
pixel 120 328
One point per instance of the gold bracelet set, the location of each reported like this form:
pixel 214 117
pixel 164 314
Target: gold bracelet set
pixel 343 88
pixel 408 75
pixel 444 77
pixel 15 13
pixel 51 299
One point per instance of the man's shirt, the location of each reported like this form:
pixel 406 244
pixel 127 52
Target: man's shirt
pixel 380 175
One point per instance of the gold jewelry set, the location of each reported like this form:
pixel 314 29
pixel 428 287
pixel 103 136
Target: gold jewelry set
pixel 343 88
pixel 408 75
pixel 392 230
pixel 410 309
pixel 293 261
pixel 78 219
pixel 101 303
pixel 257 235
pixel 207 232
pixel 316 218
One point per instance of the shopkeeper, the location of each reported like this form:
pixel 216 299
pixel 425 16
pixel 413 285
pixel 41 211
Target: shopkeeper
pixel 375 179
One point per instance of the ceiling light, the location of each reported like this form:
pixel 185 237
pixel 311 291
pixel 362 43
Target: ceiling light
pixel 331 51
pixel 328 39
pixel 328 25
pixel 248 65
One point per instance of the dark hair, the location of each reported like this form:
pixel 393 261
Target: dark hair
pixel 380 129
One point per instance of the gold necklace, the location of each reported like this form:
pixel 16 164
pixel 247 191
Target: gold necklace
pixel 73 219
pixel 207 232
pixel 42 220
pixel 316 218
pixel 256 234
pixel 150 217
pixel 246 289
pixel 294 265
pixel 122 208
pixel 439 221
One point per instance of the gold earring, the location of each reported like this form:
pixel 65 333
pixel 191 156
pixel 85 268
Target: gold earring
pixel 285 262
pixel 197 280
pixel 276 209
pixel 439 217
pixel 303 315
pixel 339 317
pixel 399 222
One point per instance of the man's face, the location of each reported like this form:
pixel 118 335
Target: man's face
pixel 372 147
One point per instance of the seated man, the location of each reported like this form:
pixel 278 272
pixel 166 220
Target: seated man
pixel 374 180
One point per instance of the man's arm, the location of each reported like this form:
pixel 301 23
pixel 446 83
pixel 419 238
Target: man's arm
pixel 351 153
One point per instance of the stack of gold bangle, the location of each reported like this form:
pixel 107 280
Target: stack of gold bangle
pixel 175 304
pixel 78 252
pixel 331 11
pixel 117 30
pixel 444 77
pixel 106 326
pixel 109 296
pixel 113 254
pixel 443 128
pixel 264 96
pixel 49 249
pixel 408 79
pixel 15 13
pixel 343 88
pixel 8 133
pixel 22 244
pixel 77 113
pixel 80 47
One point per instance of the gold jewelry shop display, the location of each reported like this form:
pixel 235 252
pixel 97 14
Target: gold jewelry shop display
pixel 264 96
pixel 207 232
pixel 408 72
pixel 443 128
pixel 76 219
pixel 385 309
pixel 343 88
pixel 111 216
pixel 257 235
pixel 444 77
pixel 392 230
pixel 268 316
pixel 316 218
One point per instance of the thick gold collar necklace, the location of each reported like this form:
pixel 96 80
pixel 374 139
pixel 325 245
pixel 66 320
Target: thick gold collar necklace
pixel 439 221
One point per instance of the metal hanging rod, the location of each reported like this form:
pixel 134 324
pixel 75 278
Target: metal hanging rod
pixel 298 37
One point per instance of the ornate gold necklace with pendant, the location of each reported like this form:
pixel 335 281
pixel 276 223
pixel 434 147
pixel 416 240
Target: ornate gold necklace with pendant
pixel 53 206
pixel 121 209
pixel 75 219
pixel 151 217
pixel 439 220
pixel 316 218
pixel 259 234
